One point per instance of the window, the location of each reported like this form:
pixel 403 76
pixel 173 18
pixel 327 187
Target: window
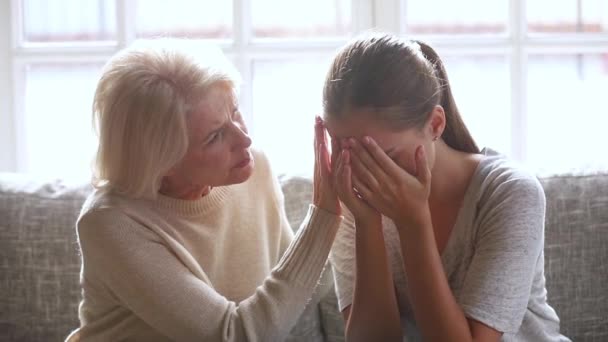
pixel 282 50
pixel 526 74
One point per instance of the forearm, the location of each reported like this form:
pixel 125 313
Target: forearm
pixel 270 313
pixel 374 313
pixel 437 313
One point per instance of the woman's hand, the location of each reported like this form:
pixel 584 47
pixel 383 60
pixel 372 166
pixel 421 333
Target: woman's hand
pixel 346 184
pixel 324 193
pixel 389 188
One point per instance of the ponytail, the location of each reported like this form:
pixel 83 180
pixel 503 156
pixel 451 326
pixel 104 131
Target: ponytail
pixel 456 135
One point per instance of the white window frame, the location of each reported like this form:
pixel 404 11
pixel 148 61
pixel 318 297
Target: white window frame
pixel 387 15
pixel 517 44
pixel 242 49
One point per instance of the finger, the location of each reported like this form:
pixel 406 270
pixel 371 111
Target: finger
pixel 362 189
pixel 316 139
pixel 322 130
pixel 316 178
pixel 367 160
pixel 341 179
pixel 344 183
pixel 336 168
pixel 367 195
pixel 335 149
pixel 321 146
pixel 325 157
pixel 384 161
pixel 318 130
pixel 321 143
pixel 423 173
pixel 363 173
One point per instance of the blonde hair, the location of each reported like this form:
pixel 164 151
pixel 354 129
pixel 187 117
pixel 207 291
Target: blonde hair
pixel 141 107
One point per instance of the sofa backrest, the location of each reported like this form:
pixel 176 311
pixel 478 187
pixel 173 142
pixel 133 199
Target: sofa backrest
pixel 40 265
pixel 576 253
pixel 39 261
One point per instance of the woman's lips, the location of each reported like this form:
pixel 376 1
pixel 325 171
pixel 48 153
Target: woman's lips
pixel 243 163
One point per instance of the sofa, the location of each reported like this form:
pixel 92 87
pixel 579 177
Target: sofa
pixel 39 261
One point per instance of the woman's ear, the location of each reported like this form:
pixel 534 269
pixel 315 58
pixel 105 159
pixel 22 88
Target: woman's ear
pixel 436 122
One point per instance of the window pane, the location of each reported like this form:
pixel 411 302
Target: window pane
pixel 567 121
pixel 452 17
pixel 69 20
pixel 301 19
pixel 183 18
pixel 567 16
pixel 59 140
pixel 284 113
pixel 481 88
pixel 286 97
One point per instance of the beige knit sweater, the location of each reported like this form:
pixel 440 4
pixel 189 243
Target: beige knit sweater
pixel 225 267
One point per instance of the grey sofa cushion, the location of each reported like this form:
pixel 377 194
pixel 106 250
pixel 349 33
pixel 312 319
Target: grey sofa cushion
pixel 39 262
pixel 576 253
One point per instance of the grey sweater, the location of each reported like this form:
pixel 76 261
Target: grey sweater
pixel 493 260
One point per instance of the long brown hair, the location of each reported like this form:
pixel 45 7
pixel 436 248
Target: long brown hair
pixel 401 81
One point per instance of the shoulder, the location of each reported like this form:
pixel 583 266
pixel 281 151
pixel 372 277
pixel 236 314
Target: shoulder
pixel 501 179
pixel 510 201
pixel 108 216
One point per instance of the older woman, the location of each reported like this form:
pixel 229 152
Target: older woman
pixel 185 237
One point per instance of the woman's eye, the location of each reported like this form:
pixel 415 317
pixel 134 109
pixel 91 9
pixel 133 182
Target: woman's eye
pixel 214 138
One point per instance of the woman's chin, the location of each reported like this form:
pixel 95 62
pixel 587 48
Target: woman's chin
pixel 242 174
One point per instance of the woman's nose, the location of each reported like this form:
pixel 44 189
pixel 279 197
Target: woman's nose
pixel 243 139
pixel 246 139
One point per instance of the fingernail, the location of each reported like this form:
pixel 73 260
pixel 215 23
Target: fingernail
pixel 318 119
pixel 367 140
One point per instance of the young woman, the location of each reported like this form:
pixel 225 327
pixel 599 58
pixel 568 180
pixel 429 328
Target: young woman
pixel 443 242
pixel 185 237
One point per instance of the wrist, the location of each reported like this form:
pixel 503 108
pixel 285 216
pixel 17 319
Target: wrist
pixel 330 204
pixel 420 220
pixel 333 209
pixel 369 222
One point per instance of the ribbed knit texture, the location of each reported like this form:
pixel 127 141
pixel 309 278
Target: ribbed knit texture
pixel 225 267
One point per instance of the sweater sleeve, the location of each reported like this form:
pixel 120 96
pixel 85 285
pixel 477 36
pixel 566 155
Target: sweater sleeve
pixel 142 274
pixel 344 262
